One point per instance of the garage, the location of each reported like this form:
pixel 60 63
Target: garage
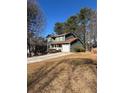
pixel 66 48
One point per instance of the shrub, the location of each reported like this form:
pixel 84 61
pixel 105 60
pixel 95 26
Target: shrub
pixel 79 49
pixel 82 50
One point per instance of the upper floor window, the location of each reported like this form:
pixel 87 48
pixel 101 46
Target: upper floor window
pixel 61 38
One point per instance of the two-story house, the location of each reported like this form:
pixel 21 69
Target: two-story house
pixel 65 42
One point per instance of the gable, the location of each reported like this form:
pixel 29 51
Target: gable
pixel 69 36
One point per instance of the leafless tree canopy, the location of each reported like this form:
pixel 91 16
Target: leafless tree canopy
pixel 35 24
pixel 35 17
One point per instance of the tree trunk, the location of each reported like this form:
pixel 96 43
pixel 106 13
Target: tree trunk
pixel 29 47
pixel 84 36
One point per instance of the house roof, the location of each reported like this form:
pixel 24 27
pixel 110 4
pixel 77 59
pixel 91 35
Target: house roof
pixel 58 35
pixel 65 42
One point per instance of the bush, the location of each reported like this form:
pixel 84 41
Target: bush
pixel 82 50
pixel 79 49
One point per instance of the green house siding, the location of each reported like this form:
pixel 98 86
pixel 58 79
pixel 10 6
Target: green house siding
pixel 75 44
pixel 59 39
pixel 49 39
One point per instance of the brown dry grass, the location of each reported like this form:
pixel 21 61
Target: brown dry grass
pixel 75 73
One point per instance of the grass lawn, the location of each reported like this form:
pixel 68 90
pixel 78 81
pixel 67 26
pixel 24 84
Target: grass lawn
pixel 74 73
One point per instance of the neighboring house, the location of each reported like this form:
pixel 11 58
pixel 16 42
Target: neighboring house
pixel 65 42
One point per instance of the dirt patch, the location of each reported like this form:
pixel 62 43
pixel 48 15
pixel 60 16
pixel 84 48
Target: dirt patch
pixel 70 74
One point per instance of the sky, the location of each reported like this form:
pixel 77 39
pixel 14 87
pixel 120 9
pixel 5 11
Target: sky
pixel 59 10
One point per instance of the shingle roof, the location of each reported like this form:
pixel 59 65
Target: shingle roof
pixel 65 42
pixel 59 35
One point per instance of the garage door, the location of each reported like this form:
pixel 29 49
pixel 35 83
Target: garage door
pixel 66 48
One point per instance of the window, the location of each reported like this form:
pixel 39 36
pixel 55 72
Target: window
pixel 61 38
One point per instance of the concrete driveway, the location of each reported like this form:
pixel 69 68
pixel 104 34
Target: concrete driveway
pixel 46 57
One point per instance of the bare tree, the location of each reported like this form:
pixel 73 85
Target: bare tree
pixel 35 23
pixel 93 29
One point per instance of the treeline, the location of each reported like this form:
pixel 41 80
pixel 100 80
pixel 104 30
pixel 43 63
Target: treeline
pixel 36 45
pixel 83 24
